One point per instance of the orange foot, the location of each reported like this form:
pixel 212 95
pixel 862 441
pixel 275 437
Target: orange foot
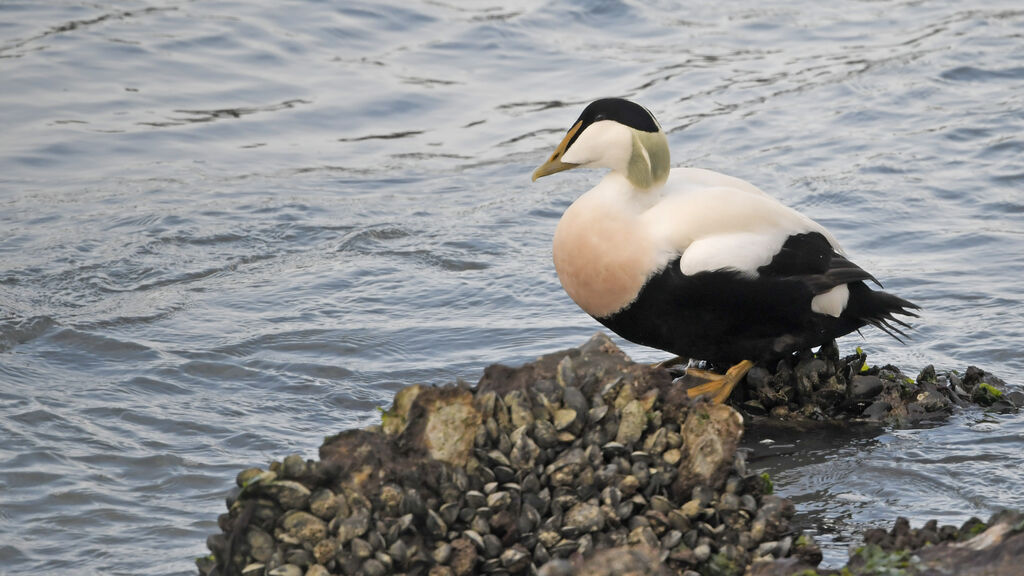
pixel 718 386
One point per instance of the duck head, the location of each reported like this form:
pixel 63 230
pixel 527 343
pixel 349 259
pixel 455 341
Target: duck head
pixel 616 134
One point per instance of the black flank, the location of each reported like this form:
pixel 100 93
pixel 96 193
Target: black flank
pixel 724 316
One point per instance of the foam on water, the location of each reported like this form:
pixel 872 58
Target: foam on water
pixel 228 229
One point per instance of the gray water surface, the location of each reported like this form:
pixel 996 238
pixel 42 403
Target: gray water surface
pixel 228 229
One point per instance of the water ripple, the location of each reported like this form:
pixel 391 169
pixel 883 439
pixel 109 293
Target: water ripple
pixel 231 228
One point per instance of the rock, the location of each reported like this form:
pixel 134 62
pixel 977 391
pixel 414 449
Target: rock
pixel 564 418
pixel 360 548
pixel 558 568
pixel 245 477
pixel 711 435
pixel 373 567
pixel 643 536
pixel 524 453
pixel 877 411
pixel 563 471
pixel 546 467
pixel 927 374
pixel 463 557
pixel 289 494
pixel 825 388
pixel 499 500
pixel 933 401
pixel 985 394
pixel 519 409
pixel 782 567
pixel 352 527
pixel 573 399
pixel 294 466
pixel 515 559
pixel 324 504
pixel 492 546
pixel 286 570
pixel 582 518
pixel 771 521
pixel 443 422
pixel 565 372
pixel 325 550
pixel 442 553
pixel 632 423
pixel 1015 397
pixel 393 421
pixel 261 544
pixel 865 387
pixel 304 526
pixel 545 434
pixel 992 549
pixel 636 561
pixel 254 569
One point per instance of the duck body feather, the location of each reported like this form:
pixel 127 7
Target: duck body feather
pixel 708 266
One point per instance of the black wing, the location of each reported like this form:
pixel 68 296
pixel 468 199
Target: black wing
pixel 812 260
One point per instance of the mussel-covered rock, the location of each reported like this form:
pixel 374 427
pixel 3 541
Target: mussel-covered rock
pixel 559 466
pixel 826 388
pixel 577 452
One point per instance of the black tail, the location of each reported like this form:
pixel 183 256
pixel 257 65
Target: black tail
pixel 867 306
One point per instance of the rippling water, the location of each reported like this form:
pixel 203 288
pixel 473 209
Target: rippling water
pixel 228 229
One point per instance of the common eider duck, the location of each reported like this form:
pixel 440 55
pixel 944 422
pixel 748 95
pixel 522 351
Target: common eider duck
pixel 697 263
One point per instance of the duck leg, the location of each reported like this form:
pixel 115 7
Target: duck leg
pixel 718 386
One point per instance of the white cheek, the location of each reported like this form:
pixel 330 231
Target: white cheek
pixel 606 144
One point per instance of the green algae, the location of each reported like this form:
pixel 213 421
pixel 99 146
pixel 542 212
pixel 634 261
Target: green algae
pixel 877 561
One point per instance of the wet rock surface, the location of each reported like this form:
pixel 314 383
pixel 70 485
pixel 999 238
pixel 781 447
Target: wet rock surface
pixel 823 387
pixel 579 462
pixel 534 470
pixel 993 548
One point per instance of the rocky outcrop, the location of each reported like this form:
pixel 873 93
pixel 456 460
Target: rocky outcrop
pixel 538 469
pixel 823 387
pixel 977 548
pixel 582 450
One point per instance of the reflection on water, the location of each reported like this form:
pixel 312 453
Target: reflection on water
pixel 229 229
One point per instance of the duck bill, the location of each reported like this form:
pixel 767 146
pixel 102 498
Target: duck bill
pixel 555 164
pixel 550 167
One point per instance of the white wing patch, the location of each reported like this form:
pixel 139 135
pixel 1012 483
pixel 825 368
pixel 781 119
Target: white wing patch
pixel 832 302
pixel 745 252
pixel 741 251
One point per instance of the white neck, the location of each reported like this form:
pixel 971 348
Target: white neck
pixel 641 157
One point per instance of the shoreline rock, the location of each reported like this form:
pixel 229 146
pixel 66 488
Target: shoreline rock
pixel 977 548
pixel 538 468
pixel 822 387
